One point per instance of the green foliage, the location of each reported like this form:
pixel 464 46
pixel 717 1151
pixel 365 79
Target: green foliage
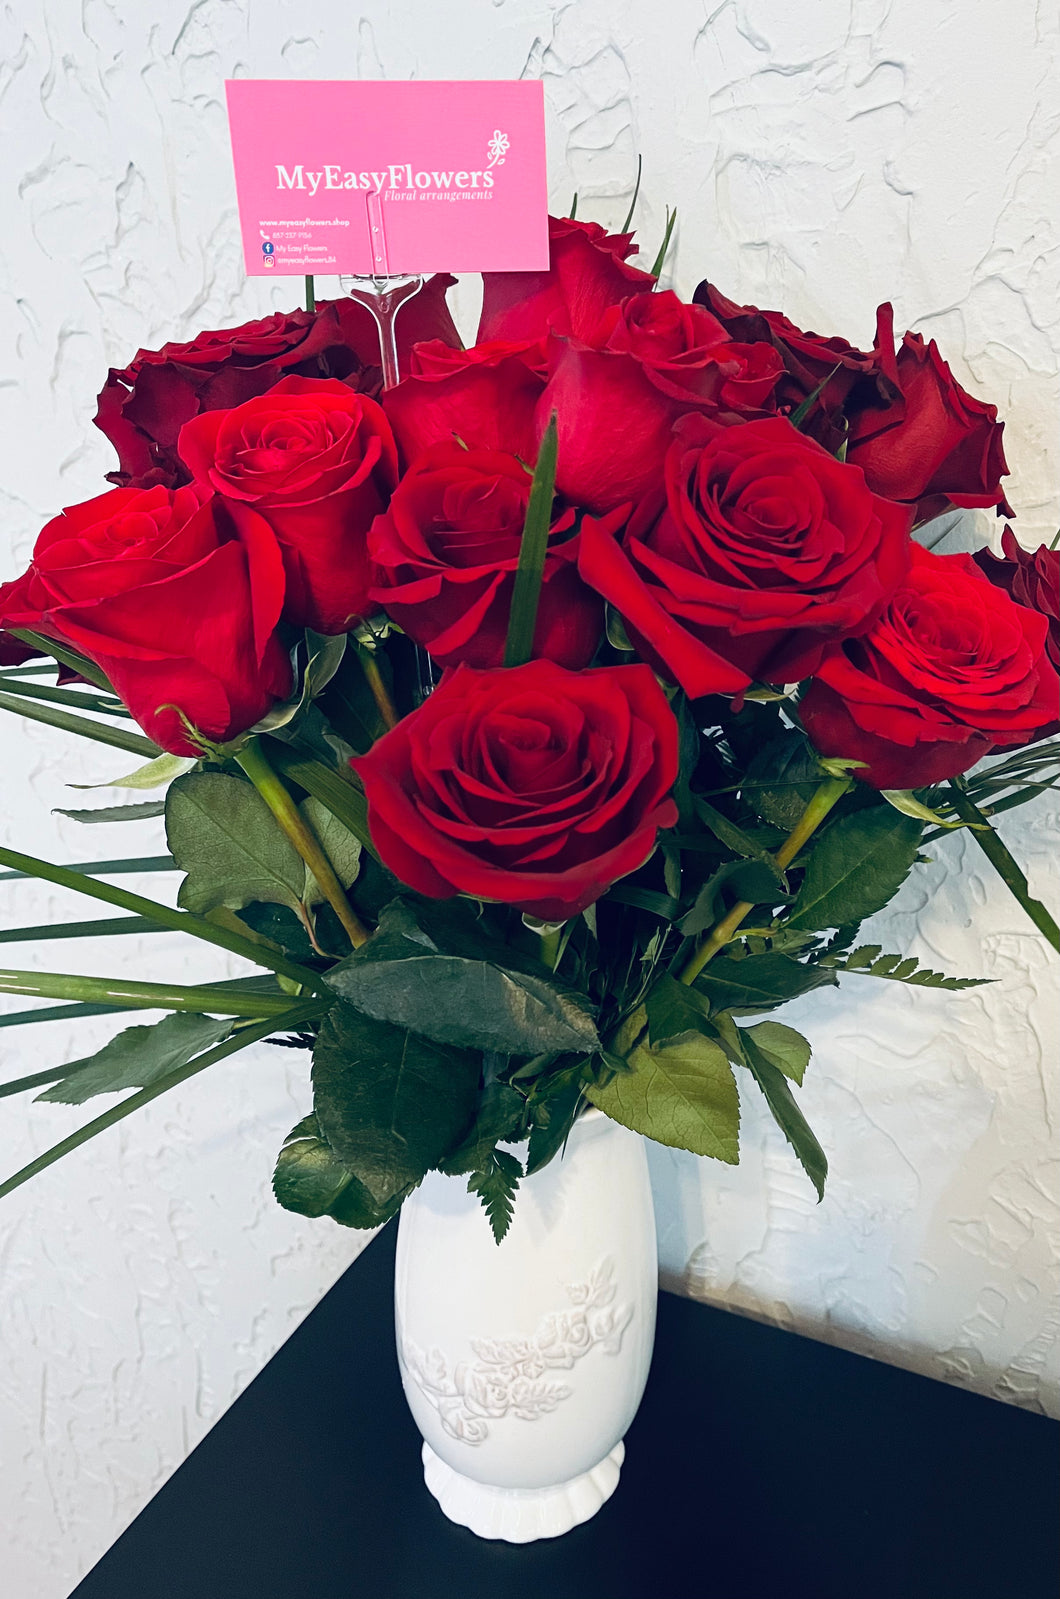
pixel 681 1093
pixel 856 868
pixel 498 1119
pixel 312 1180
pixel 224 836
pixel 116 813
pixel 782 1046
pixel 390 1103
pixel 781 779
pixel 495 1185
pixel 138 1056
pixel 554 1104
pixel 757 982
pixel 869 961
pixel 526 592
pixel 769 1074
pixel 434 971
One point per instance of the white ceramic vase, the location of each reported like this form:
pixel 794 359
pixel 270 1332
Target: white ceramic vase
pixel 524 1363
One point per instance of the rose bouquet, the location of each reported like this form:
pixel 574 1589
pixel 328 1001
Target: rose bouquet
pixel 537 727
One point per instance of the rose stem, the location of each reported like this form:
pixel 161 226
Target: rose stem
pixel 310 294
pixel 550 946
pixel 254 762
pixel 380 692
pixel 1007 869
pixel 818 807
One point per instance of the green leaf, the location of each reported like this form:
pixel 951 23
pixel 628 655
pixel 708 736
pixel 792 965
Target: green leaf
pixel 342 848
pixel 522 619
pixel 782 1046
pixel 224 836
pixel 117 813
pixel 905 800
pixel 760 882
pixel 498 1119
pixel 733 837
pixel 99 732
pixel 495 1185
pixel 390 1103
pixel 311 1180
pixel 682 1093
pixel 782 779
pixel 138 1056
pixel 144 1096
pixel 786 1113
pixel 856 868
pixel 674 1009
pixel 867 961
pixel 163 915
pixel 758 982
pixel 435 973
pixel 104 927
pixel 555 1103
pixel 65 656
pixel 657 264
pixel 155 774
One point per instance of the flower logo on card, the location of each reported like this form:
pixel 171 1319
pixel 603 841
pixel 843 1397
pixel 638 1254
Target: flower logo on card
pixel 498 147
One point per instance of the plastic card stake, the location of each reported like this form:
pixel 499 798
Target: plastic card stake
pixel 389 178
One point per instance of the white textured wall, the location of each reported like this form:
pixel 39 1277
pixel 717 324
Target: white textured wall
pixel 825 154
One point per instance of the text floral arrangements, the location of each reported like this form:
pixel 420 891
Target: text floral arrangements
pixel 538 726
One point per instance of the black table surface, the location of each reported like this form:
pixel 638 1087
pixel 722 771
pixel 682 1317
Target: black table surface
pixel 762 1465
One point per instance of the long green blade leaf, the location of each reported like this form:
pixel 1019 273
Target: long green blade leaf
pixel 62 652
pixel 657 265
pixel 223 1001
pixel 526 592
pixel 291 1019
pixel 636 191
pixel 53 717
pixel 58 1013
pixel 21 1085
pixel 1009 871
pixel 64 696
pixel 164 915
pixel 105 927
pixel 137 863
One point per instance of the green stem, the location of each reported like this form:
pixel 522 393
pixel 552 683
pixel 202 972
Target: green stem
pixel 105 927
pixel 117 737
pixel 310 294
pixel 550 943
pixel 818 807
pixel 380 693
pixel 1008 869
pixel 142 996
pixel 253 760
pixel 291 1018
pixel 342 795
pixel 165 916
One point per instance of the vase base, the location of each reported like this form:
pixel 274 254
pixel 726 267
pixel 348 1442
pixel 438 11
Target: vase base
pixel 521 1515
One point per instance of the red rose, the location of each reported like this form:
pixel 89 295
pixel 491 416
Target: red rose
pixel 424 317
pixel 808 358
pixel 143 408
pixel 445 553
pixel 934 445
pixel 484 396
pixel 767 549
pixel 175 595
pixel 532 785
pixel 318 462
pixel 650 359
pixel 1031 578
pixel 587 273
pixel 952 670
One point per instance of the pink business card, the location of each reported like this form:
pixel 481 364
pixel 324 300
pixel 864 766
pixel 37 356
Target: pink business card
pixel 386 178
